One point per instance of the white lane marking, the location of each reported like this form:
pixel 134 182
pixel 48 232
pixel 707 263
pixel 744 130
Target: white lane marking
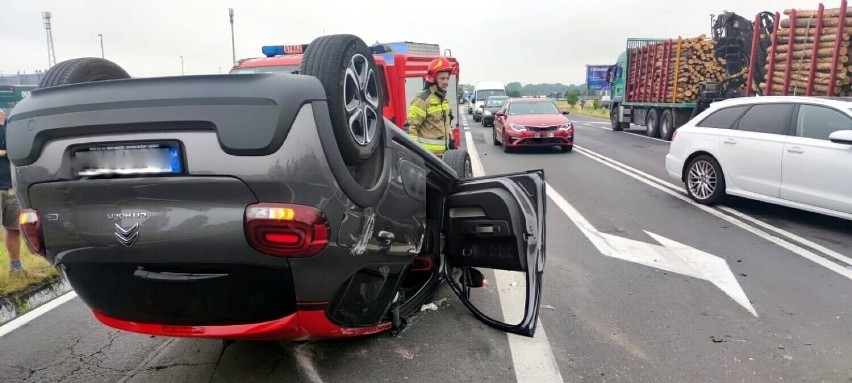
pixel 804 241
pixel 666 187
pixel 532 358
pixel 671 256
pixel 35 313
pixel 632 134
pixel 815 246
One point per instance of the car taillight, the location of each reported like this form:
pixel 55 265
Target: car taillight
pixel 30 224
pixel 285 230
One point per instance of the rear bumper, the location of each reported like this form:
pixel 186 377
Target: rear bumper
pixel 301 325
pixel 674 166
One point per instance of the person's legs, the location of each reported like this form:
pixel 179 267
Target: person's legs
pixel 10 211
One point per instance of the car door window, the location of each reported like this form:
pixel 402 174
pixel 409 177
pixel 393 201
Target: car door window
pixel 766 118
pixel 723 118
pixel 819 122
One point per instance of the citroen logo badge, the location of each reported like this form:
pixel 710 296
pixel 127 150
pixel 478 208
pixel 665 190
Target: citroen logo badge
pixel 127 236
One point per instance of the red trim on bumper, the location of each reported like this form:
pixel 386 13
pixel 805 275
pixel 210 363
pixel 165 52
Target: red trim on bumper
pixel 302 325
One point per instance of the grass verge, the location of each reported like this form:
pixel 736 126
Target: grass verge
pixel 587 111
pixel 14 283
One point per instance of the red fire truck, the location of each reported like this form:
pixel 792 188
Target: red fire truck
pixel 401 74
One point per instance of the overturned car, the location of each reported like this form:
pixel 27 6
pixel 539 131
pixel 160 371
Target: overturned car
pixel 269 206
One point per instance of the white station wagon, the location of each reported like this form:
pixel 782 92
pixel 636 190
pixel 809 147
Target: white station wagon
pixel 785 150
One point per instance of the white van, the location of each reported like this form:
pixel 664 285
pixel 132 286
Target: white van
pixel 483 90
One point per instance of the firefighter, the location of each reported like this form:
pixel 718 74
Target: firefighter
pixel 430 116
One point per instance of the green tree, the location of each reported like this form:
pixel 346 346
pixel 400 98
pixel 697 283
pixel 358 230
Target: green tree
pixel 514 93
pixel 572 96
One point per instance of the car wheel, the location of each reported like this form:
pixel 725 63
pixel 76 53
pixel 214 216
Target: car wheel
pixel 506 148
pixel 667 125
pixel 459 160
pixel 652 124
pixel 613 119
pixel 346 68
pixel 80 70
pixel 705 182
pixel 567 148
pixel 494 135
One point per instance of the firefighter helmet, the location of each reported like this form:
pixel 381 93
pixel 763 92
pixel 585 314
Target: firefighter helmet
pixel 436 66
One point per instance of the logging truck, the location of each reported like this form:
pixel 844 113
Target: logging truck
pixel 662 83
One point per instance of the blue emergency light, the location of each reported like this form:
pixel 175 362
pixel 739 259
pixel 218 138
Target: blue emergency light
pixel 273 50
pixel 277 50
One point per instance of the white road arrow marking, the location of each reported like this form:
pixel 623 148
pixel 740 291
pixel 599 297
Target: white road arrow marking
pixel 669 255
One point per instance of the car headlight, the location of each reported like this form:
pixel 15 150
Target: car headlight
pixel 564 127
pixel 517 127
pixel 487 113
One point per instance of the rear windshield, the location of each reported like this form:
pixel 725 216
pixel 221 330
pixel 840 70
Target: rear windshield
pixel 267 69
pixel 481 95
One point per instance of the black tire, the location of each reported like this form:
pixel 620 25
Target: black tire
pixel 506 148
pixel 80 70
pixel 494 135
pixel 613 120
pixel 347 70
pixel 652 123
pixel 459 160
pixel 701 164
pixel 567 148
pixel 667 125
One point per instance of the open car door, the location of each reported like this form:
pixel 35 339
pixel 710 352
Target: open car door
pixel 497 223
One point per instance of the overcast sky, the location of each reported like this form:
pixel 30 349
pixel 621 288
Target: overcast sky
pixel 502 40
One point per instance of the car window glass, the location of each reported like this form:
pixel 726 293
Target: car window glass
pixel 766 118
pixel 723 118
pixel 819 122
pixel 533 108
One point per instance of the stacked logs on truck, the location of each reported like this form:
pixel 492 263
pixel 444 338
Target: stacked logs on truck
pixel 673 77
pixel 801 55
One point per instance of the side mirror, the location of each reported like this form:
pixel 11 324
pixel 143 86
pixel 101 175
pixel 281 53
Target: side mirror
pixel 500 114
pixel 841 137
pixel 565 112
pixel 482 106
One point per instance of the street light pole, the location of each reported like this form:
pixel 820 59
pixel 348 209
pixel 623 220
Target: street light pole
pixel 181 65
pixel 102 44
pixel 233 46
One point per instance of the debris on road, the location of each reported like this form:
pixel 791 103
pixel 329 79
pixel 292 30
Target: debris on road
pixel 549 307
pixel 404 353
pixel 514 284
pixel 716 340
pixel 429 306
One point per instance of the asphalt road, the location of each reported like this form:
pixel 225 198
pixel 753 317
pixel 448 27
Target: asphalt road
pixel 616 320
pixel 606 319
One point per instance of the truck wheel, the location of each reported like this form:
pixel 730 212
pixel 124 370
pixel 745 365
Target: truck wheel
pixel 667 125
pixel 80 70
pixel 346 68
pixel 652 123
pixel 459 160
pixel 613 119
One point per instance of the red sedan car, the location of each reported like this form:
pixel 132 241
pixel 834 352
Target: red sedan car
pixel 532 122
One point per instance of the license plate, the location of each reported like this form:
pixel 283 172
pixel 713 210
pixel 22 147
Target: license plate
pixel 538 135
pixel 550 134
pixel 127 159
